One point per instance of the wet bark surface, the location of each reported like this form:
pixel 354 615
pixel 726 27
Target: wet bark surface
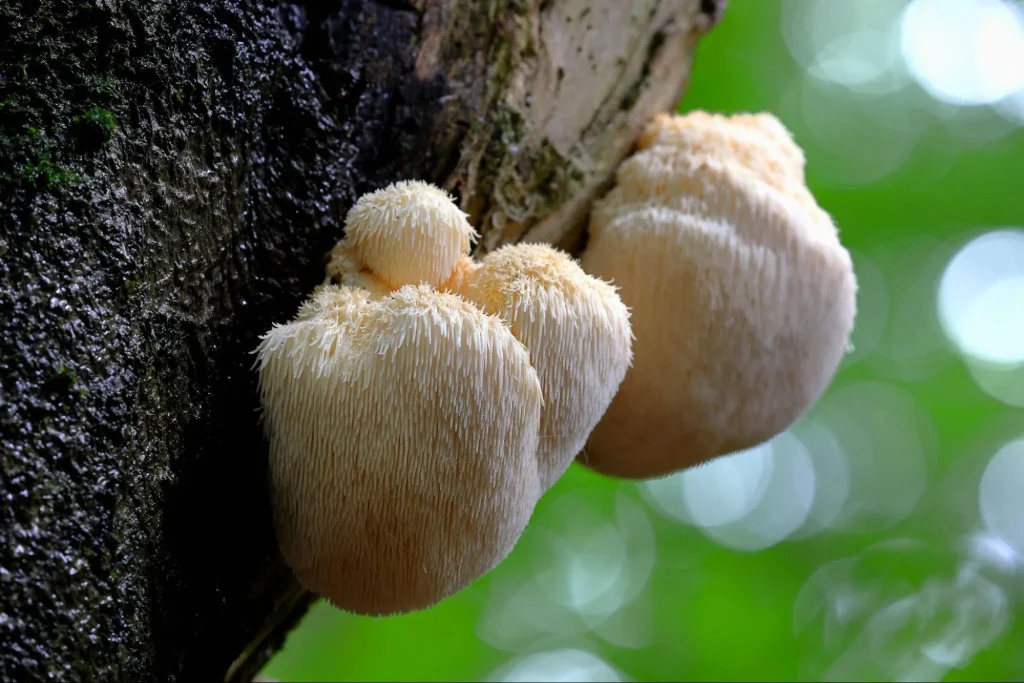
pixel 171 176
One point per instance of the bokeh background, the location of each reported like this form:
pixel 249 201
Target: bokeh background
pixel 882 537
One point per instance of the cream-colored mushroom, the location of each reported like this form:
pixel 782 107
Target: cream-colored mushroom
pixel 577 332
pixel 407 233
pixel 742 297
pixel 757 141
pixel 403 433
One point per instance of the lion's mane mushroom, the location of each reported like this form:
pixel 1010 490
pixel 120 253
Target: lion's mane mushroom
pixel 419 403
pixel 407 233
pixel 576 329
pixel 403 433
pixel 742 297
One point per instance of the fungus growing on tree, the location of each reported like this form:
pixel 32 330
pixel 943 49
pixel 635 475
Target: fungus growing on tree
pixel 419 403
pixel 577 332
pixel 742 298
pixel 407 233
pixel 403 436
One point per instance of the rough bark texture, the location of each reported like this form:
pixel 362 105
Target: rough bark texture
pixel 171 175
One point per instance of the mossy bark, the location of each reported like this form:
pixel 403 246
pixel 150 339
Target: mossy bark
pixel 171 175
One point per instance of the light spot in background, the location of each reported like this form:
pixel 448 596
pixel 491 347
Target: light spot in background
pixel 852 44
pixel 1012 107
pixel 831 476
pixel 783 507
pixel 929 633
pixel 826 602
pixel 665 495
pixel 592 565
pixel 881 431
pixel 860 141
pixel 877 617
pixel 580 570
pixel 1001 381
pixel 748 500
pixel 999 309
pixel 981 297
pixel 857 60
pixel 557 665
pixel 629 627
pixel 519 616
pixel 858 57
pixel 1001 494
pixel 846 94
pixel 738 482
pixel 989 552
pixel 965 53
pixel 975 128
pixel 726 490
pixel 584 568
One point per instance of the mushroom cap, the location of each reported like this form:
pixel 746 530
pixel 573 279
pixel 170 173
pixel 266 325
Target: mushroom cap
pixel 408 233
pixel 756 141
pixel 403 431
pixel 576 329
pixel 742 300
pixel 710 186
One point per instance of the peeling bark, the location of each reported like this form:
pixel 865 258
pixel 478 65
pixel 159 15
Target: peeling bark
pixel 171 176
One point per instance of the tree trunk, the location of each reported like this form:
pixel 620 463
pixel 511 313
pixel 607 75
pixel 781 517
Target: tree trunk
pixel 171 175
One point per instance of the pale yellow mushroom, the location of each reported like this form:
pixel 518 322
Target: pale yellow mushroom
pixel 742 297
pixel 577 332
pixel 757 141
pixel 403 434
pixel 407 233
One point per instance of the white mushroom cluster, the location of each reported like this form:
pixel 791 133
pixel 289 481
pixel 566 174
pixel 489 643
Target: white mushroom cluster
pixel 420 403
pixel 742 298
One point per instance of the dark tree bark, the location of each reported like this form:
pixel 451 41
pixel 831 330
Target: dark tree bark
pixel 171 176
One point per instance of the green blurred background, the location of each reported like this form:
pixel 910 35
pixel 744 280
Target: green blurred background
pixel 881 538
